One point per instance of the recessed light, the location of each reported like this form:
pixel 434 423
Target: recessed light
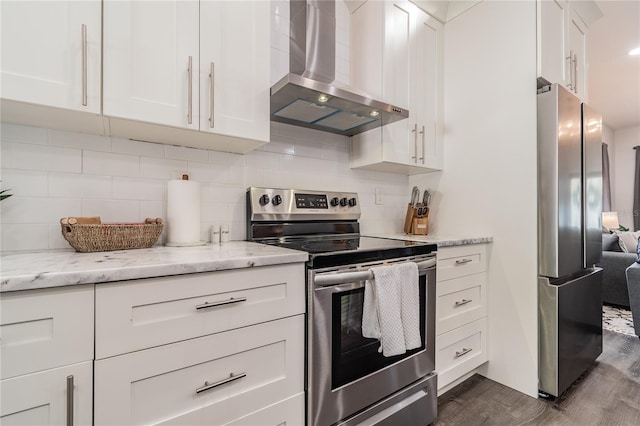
pixel 635 51
pixel 374 113
pixel 323 98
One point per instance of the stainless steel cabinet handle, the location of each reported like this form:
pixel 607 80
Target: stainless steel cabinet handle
pixel 232 378
pixel 415 143
pixel 190 90
pixel 422 133
pixel 463 302
pixel 463 261
pixel 464 351
pixel 69 400
pixel 84 65
pixel 230 301
pixel 575 73
pixel 570 58
pixel 211 95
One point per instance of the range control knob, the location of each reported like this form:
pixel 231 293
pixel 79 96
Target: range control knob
pixel 335 201
pixel 264 200
pixel 343 201
pixel 277 200
pixel 352 202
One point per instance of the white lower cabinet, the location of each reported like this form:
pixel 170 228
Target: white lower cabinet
pixel 214 379
pixel 43 398
pixel 46 356
pixel 461 312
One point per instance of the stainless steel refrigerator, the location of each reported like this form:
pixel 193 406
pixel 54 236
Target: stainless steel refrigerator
pixel 569 238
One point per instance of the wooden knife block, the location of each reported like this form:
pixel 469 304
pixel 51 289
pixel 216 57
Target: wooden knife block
pixel 420 225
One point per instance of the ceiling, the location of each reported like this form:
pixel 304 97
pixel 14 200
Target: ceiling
pixel 614 76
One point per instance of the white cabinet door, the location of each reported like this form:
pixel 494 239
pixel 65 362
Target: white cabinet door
pixel 51 53
pixel 553 43
pixel 42 398
pixel 235 41
pixel 411 59
pixel 577 72
pixel 148 46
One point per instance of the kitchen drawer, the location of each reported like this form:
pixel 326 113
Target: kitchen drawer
pixel 458 261
pixel 42 329
pixel 140 314
pixel 160 385
pixel 461 350
pixel 460 301
pixel 41 398
pixel 287 412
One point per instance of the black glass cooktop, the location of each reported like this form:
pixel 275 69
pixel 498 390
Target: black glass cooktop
pixel 343 251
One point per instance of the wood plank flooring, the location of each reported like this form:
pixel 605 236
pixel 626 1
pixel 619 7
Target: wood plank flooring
pixel 608 395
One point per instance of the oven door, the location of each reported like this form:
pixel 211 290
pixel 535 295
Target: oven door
pixel 347 371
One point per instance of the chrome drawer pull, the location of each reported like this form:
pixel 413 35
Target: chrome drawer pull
pixel 463 261
pixel 464 351
pixel 229 379
pixel 463 302
pixel 69 400
pixel 231 301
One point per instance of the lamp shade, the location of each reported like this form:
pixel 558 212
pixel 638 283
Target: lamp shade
pixel 610 220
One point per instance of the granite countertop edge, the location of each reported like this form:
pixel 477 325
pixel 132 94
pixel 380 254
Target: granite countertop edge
pixel 57 268
pixel 439 240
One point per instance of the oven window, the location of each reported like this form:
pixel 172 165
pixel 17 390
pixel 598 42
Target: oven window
pixel 354 356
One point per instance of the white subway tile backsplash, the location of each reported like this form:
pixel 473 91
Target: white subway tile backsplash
pixel 112 211
pixel 139 189
pixel 208 172
pixel 79 140
pixel 161 168
pixel 63 207
pixel 6 155
pixel 144 149
pixel 79 186
pixel 18 236
pixel 110 164
pixel 17 133
pixel 153 209
pixel 56 240
pixel 18 209
pixel 48 158
pixel 25 182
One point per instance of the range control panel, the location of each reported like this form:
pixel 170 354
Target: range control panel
pixel 293 204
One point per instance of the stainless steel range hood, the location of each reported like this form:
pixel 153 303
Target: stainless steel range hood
pixel 308 96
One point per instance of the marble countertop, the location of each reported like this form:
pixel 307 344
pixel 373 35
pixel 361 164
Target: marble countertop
pixel 440 240
pixel 54 268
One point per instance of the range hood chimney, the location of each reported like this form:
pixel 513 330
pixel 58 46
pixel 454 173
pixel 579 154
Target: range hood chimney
pixel 308 96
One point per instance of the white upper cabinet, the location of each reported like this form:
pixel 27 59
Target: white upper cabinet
pixel 148 47
pixel 577 73
pixel 200 66
pixel 235 41
pixel 562 46
pixel 51 53
pixel 410 58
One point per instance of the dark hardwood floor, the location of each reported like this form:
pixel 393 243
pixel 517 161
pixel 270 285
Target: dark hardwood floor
pixel 608 395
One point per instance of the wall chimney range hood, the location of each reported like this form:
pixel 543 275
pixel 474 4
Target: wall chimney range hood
pixel 308 96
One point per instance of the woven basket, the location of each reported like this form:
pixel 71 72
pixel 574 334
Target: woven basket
pixel 87 238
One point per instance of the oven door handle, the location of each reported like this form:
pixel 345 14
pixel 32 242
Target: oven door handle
pixel 350 277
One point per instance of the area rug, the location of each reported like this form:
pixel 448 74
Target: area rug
pixel 618 320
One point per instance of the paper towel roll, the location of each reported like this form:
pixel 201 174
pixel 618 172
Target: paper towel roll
pixel 183 213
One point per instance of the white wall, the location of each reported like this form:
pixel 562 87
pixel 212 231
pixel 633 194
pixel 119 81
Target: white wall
pixel 489 183
pixel 608 137
pixel 624 169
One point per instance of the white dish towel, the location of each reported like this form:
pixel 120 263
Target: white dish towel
pixel 391 309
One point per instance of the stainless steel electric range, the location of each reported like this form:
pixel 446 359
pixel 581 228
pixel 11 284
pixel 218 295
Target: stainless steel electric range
pixel 348 381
